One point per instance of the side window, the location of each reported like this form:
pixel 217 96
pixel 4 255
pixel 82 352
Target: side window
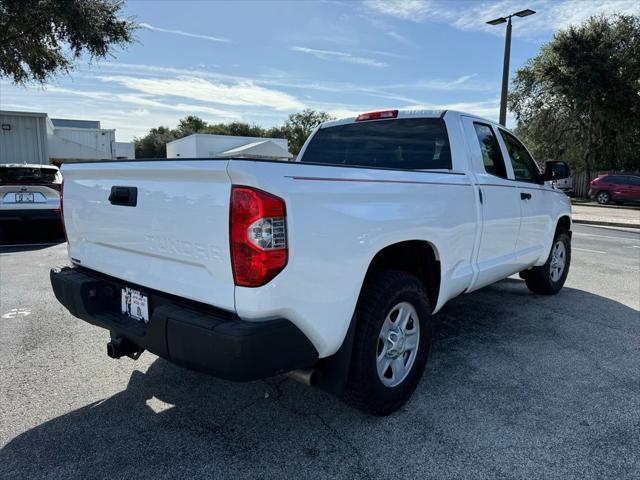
pixel 614 179
pixel 634 180
pixel 629 180
pixel 491 155
pixel 524 168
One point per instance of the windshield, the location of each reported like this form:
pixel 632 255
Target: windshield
pixel 407 144
pixel 28 175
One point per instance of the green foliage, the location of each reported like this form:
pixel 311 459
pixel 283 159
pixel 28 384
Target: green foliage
pixel 579 99
pixel 154 143
pixel 237 129
pixel 39 38
pixel 295 129
pixel 190 125
pixel 300 125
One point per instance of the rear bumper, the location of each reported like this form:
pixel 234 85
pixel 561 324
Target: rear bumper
pixel 29 215
pixel 187 333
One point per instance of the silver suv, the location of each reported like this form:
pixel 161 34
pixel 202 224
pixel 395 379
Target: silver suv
pixel 29 192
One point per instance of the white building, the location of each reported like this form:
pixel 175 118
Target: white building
pixel 201 145
pixel 125 150
pixel 23 137
pixel 28 137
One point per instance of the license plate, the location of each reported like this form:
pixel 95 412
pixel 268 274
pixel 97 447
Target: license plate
pixel 135 305
pixel 24 197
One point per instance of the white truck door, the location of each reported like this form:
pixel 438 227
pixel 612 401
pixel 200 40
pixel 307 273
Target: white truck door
pixel 536 201
pixel 500 207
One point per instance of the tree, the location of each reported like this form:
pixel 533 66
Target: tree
pixel 239 129
pixel 190 125
pixel 579 99
pixel 299 126
pixel 39 38
pixel 154 143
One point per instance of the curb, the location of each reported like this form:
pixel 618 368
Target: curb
pixel 597 205
pixel 606 224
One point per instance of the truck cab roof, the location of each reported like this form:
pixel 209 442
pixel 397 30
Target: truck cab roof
pixel 408 113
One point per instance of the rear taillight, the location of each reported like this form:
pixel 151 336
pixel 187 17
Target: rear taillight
pixel 258 234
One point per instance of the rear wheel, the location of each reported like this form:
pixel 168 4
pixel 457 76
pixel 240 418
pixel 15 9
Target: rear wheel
pixel 548 279
pixel 392 341
pixel 603 197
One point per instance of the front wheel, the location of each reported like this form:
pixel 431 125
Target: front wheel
pixel 392 342
pixel 548 279
pixel 603 198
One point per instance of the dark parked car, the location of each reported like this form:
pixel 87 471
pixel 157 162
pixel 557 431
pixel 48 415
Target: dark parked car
pixel 29 192
pixel 617 188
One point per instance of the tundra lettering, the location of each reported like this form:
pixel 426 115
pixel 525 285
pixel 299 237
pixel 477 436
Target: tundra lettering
pixel 181 248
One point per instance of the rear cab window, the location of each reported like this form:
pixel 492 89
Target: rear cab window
pixel 405 144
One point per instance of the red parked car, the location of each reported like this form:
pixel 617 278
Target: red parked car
pixel 617 188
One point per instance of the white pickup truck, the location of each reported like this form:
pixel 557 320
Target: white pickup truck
pixel 330 267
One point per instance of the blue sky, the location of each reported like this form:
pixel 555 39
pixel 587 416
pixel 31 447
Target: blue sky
pixel 258 61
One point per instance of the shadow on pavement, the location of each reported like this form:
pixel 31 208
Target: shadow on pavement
pixel 518 386
pixel 29 235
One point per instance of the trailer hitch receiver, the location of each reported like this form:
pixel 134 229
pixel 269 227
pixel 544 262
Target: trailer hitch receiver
pixel 119 347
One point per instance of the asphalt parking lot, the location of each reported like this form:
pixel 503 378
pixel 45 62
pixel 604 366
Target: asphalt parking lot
pixel 518 386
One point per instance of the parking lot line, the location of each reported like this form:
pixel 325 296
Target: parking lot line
pixel 587 250
pixel 580 234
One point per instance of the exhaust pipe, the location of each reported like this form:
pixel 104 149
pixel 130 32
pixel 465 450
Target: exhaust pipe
pixel 119 347
pixel 307 376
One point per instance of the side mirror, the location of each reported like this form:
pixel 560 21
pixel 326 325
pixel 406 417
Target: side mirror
pixel 556 170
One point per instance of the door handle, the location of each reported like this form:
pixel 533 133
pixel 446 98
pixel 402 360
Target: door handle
pixel 525 196
pixel 125 196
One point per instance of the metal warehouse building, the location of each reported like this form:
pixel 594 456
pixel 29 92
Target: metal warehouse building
pixel 28 137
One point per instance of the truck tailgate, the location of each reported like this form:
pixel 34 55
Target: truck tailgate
pixel 174 239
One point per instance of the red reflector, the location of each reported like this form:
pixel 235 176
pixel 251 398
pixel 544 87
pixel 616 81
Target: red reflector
pixel 377 115
pixel 258 236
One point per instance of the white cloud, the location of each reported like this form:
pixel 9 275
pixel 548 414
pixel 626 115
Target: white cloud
pixel 387 54
pixel 397 37
pixel 404 9
pixel 462 83
pixel 281 79
pixel 483 108
pixel 340 56
pixel 145 101
pixel 472 16
pixel 244 93
pixel 152 28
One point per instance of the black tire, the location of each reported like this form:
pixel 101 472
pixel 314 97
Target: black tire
pixel 603 197
pixel 539 279
pixel 384 290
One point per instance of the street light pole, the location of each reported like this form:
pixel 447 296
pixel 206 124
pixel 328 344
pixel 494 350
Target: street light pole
pixel 505 76
pixel 507 54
